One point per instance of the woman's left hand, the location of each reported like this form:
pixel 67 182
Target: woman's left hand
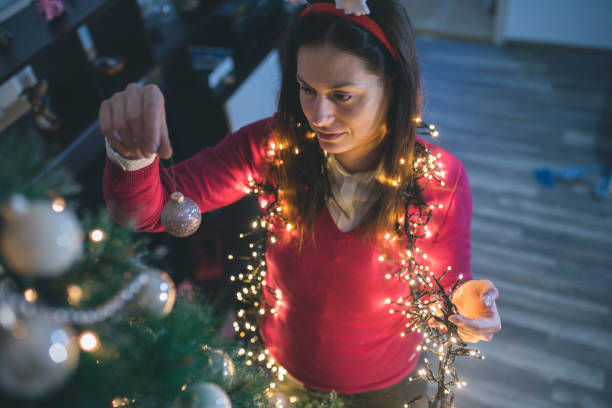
pixel 478 318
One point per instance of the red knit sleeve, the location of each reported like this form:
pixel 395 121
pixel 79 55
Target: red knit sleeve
pixel 451 247
pixel 213 178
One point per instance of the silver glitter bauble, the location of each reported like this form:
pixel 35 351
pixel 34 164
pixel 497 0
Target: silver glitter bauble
pixel 157 295
pixel 220 364
pixel 208 395
pixel 36 357
pixel 37 241
pixel 181 216
pixel 277 398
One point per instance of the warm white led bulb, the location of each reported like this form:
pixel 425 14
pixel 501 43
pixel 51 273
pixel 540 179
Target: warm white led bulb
pixel 96 235
pixel 89 341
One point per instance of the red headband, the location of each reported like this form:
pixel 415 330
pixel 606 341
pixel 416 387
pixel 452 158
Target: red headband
pixel 362 21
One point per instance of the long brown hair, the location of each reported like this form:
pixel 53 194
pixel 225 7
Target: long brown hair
pixel 303 182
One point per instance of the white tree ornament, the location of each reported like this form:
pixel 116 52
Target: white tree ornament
pixel 37 357
pixel 37 241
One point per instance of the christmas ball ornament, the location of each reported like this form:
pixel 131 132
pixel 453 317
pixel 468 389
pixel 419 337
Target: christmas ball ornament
pixel 158 293
pixel 277 398
pixel 37 241
pixel 220 364
pixel 181 216
pixel 209 395
pixel 37 356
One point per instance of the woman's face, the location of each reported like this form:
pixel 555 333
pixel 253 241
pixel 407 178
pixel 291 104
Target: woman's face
pixel 344 103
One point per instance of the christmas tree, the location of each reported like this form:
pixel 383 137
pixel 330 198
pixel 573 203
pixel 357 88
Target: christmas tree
pixel 86 318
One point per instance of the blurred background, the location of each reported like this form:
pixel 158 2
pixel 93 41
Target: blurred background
pixel 520 91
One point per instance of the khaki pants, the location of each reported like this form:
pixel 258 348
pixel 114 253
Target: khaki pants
pixel 394 396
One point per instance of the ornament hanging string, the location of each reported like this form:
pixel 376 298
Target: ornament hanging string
pixel 180 216
pixel 173 173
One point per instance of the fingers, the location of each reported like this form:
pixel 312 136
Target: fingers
pixel 120 124
pixel 436 306
pixel 486 325
pixel 471 337
pixel 134 122
pixel 489 292
pixel 106 127
pixel 152 103
pixel 475 330
pixel 433 323
pixel 117 143
pixel 134 119
pixel 105 121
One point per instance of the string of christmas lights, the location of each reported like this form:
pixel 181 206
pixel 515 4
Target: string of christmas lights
pixel 426 300
pixel 431 302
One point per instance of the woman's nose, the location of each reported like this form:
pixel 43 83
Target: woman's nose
pixel 322 112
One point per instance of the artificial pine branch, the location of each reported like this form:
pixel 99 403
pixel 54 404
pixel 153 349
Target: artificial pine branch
pixel 23 170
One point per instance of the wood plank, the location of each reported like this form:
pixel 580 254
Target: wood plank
pixel 589 336
pixel 562 229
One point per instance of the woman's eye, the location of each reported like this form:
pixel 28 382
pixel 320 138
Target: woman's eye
pixel 306 90
pixel 343 97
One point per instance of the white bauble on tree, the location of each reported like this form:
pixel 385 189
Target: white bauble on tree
pixel 209 395
pixel 157 295
pixel 36 357
pixel 180 216
pixel 37 241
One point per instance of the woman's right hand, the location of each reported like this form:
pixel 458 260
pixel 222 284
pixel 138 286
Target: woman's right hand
pixel 134 122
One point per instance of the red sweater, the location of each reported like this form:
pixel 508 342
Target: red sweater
pixel 333 330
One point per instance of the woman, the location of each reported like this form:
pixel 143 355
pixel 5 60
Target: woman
pixel 349 98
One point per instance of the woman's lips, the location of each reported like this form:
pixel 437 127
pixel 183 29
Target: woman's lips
pixel 328 136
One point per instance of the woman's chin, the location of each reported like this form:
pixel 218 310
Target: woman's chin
pixel 331 146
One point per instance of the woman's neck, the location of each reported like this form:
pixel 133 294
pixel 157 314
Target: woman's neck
pixel 360 160
pixel 357 164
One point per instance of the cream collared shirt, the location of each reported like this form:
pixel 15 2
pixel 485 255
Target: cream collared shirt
pixel 354 193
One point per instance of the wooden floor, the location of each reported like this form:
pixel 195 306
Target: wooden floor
pixel 505 112
pixel 467 19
